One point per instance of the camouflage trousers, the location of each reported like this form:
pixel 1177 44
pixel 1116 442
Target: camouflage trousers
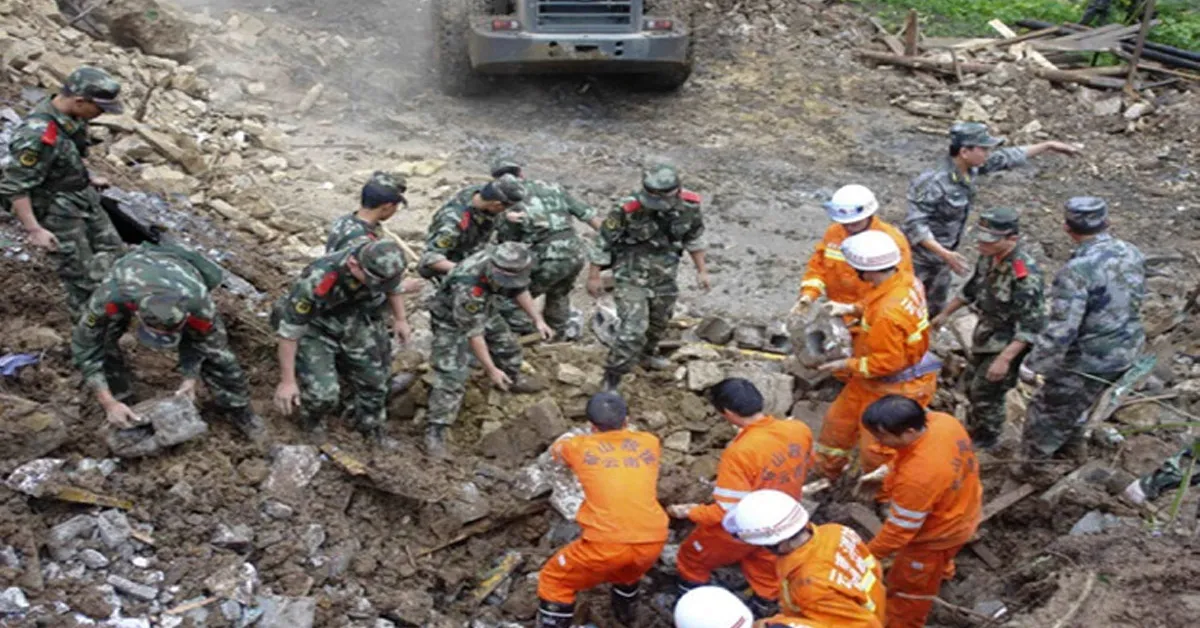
pixel 936 277
pixel 554 278
pixel 451 361
pixel 644 315
pixel 986 419
pixel 1171 472
pixel 88 244
pixel 1058 411
pixel 356 346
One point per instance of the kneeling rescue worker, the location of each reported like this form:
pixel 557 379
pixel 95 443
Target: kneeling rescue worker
pixel 714 607
pixel 624 527
pixel 936 504
pixel 826 573
pixel 767 453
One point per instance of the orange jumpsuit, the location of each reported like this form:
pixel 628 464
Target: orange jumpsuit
pixel 768 453
pixel 891 338
pixel 783 621
pixel 624 527
pixel 833 579
pixel 828 273
pixel 937 502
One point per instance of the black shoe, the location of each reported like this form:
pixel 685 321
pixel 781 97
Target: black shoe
pixel 612 380
pixel 624 603
pixel 247 421
pixel 555 615
pixel 762 607
pixel 379 438
pixel 435 441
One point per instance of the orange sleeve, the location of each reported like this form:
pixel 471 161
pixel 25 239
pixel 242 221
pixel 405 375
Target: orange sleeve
pixel 914 493
pixel 731 486
pixel 906 265
pixel 562 450
pixel 884 345
pixel 812 284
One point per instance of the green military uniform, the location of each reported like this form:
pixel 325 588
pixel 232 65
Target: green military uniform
pixel 48 150
pixel 459 230
pixel 1007 295
pixel 643 241
pixel 330 314
pixel 167 290
pixel 939 203
pixel 465 307
pixel 1094 332
pixel 345 229
pixel 558 252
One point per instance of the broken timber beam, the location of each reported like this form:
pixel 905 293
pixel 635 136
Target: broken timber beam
pixel 1001 503
pixel 912 31
pixel 887 38
pixel 918 63
pixel 1021 48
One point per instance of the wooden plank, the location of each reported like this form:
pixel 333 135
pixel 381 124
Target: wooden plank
pixel 912 30
pixel 1001 503
pixel 888 39
pixel 986 555
pixel 920 63
pixel 1092 32
pixel 1139 48
pixel 1021 48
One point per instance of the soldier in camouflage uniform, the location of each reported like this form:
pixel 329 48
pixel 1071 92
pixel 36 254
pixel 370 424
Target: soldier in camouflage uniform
pixel 558 252
pixel 1094 333
pixel 165 291
pixel 643 241
pixel 464 316
pixel 51 191
pixel 465 224
pixel 326 324
pixel 1006 291
pixel 382 196
pixel 939 203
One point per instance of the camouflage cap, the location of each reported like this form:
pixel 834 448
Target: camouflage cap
pixel 512 263
pixel 973 134
pixel 161 318
pixel 507 189
pixel 382 261
pixel 97 86
pixel 501 167
pixel 997 223
pixel 383 188
pixel 660 179
pixel 1086 213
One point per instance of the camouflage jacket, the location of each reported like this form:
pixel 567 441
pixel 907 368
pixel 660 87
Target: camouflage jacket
pixel 1095 323
pixel 643 246
pixel 347 228
pixel 1007 295
pixel 456 231
pixel 150 269
pixel 48 149
pixel 325 296
pixel 465 298
pixel 939 201
pixel 547 226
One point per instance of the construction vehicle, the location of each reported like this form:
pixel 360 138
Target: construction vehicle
pixel 475 40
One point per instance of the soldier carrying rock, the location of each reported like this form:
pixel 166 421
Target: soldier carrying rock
pixel 51 191
pixel 558 252
pixel 165 292
pixel 643 240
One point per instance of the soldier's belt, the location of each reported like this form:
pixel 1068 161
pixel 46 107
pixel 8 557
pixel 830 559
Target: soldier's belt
pixel 60 187
pixel 929 364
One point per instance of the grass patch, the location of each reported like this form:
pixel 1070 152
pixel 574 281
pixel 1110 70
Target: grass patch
pixel 1179 27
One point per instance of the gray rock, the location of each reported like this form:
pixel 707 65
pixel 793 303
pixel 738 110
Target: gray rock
pixel 169 421
pixel 27 429
pixel 289 612
pixel 63 539
pixel 702 375
pixel 778 389
pixel 468 503
pixel 313 537
pixel 142 592
pixel 1093 522
pixel 293 468
pixel 76 571
pixel 277 510
pixel 239 538
pixel 1109 107
pixel 715 330
pixel 561 532
pixel 114 528
pixel 571 375
pixel 531 482
pixel 546 418
pixel 341 556
pixel 13 602
pixel 231 611
pixel 8 557
pixel 93 559
pixel 750 337
pixel 237 581
pixel 679 441
pixel 383 623
pixel 654 420
pixel 413 607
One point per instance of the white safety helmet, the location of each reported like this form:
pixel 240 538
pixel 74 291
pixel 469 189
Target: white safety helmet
pixel 871 250
pixel 766 517
pixel 851 203
pixel 711 607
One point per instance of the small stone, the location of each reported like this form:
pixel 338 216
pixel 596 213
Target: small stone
pixel 972 111
pixel 133 589
pixel 13 602
pixel 8 557
pixel 654 420
pixel 412 607
pixel 63 538
pixel 277 510
pixel 231 611
pixel 236 581
pixel 546 419
pixel 93 603
pixel 293 468
pixel 715 330
pixel 114 528
pixel 1137 110
pixel 702 375
pixel 128 622
pixel 1031 128
pixel 169 421
pixel 93 559
pixel 141 562
pixel 991 608
pixel 1108 107
pixel 468 504
pixel 239 538
pixel 679 441
pixel 313 538
pixel 289 612
pixel 571 375
pixel 749 337
pixel 274 163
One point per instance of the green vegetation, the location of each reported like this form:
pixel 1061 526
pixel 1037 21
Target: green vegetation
pixel 1180 19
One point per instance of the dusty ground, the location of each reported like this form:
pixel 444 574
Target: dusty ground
pixel 777 116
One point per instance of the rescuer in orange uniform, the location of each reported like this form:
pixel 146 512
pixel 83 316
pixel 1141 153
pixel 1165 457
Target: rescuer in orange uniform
pixel 852 210
pixel 624 527
pixel 767 453
pixel 936 503
pixel 890 354
pixel 826 573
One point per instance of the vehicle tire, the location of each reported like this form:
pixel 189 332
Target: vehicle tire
pixel 452 62
pixel 674 78
pixel 500 7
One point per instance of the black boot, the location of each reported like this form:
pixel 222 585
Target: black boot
pixel 624 602
pixel 612 380
pixel 762 607
pixel 435 441
pixel 248 423
pixel 555 615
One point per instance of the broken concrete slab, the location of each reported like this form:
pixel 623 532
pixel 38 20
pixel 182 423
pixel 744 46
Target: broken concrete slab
pixel 818 339
pixel 750 337
pixel 239 538
pixel 546 418
pixel 93 559
pixel 679 441
pixel 114 528
pixel 169 421
pixel 293 468
pixel 702 375
pixel 467 504
pixel 778 389
pixel 716 330
pixel 63 540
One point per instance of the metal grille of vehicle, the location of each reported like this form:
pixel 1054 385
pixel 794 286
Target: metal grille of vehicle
pixel 567 14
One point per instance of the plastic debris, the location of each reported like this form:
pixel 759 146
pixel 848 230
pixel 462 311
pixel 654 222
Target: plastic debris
pixel 13 362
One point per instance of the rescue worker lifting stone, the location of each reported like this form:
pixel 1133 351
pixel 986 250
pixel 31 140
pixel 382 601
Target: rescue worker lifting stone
pixel 51 191
pixel 642 241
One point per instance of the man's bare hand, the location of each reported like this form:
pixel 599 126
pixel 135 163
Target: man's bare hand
pixel 43 239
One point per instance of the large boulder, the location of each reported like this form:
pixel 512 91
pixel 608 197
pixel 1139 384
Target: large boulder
pixel 156 27
pixel 28 429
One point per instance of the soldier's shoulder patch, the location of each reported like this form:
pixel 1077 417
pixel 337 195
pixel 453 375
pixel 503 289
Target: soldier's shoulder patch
pixel 91 320
pixel 50 135
pixel 444 241
pixel 689 196
pixel 632 206
pixel 464 222
pixel 303 306
pixel 612 222
pixel 477 291
pixel 473 307
pixel 1020 269
pixel 326 283
pixel 28 158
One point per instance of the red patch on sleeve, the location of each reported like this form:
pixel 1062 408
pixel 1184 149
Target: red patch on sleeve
pixel 199 324
pixel 111 309
pixel 1019 269
pixel 477 291
pixel 326 284
pixel 50 137
pixel 632 206
pixel 689 196
pixel 465 222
